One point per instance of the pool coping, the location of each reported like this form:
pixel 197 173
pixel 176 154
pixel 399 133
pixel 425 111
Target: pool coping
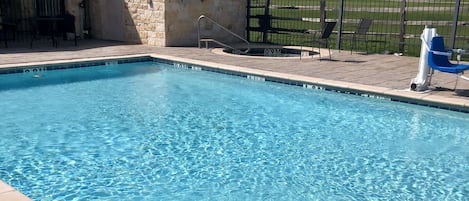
pixel 8 193
pixel 407 96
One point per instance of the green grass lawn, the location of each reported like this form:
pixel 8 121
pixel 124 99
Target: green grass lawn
pixel 385 29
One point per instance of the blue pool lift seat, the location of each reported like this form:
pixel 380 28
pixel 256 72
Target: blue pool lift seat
pixel 438 59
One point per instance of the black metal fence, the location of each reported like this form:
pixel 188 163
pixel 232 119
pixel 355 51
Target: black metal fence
pixel 397 24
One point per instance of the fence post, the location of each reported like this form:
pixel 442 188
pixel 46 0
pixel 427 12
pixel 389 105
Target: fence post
pixel 455 23
pixel 402 26
pixel 267 20
pixel 248 20
pixel 339 31
pixel 322 10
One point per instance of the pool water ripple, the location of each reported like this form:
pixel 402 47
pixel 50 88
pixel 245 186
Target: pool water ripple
pixel 162 133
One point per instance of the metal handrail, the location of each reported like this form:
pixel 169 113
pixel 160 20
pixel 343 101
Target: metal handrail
pixel 219 25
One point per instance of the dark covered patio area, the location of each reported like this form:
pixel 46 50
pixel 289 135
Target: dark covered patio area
pixel 37 23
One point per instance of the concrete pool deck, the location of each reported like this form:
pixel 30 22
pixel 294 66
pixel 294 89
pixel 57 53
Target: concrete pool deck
pixel 375 73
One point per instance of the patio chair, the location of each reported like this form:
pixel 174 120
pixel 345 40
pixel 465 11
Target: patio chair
pixel 68 26
pixel 360 34
pixel 438 59
pixel 322 38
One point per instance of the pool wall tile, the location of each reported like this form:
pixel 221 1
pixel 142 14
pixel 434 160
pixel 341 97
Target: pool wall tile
pixel 67 65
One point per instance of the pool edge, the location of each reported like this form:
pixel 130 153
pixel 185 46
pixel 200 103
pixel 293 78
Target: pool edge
pixel 425 99
pixel 319 52
pixel 7 193
pixel 406 96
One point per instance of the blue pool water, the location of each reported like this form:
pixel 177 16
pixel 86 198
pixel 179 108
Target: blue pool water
pixel 148 131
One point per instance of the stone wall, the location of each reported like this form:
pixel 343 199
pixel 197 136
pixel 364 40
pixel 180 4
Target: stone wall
pixel 153 22
pixel 144 22
pixel 170 22
pixel 181 20
pixel 138 21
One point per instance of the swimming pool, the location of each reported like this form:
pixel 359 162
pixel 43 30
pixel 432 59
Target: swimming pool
pixel 154 131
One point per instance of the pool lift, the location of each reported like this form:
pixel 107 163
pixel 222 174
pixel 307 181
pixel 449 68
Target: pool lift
pixel 421 82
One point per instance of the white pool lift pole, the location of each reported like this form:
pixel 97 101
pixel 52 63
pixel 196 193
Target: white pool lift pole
pixel 420 82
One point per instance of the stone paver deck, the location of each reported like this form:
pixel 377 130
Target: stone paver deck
pixel 387 71
pixel 387 74
pixel 7 193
